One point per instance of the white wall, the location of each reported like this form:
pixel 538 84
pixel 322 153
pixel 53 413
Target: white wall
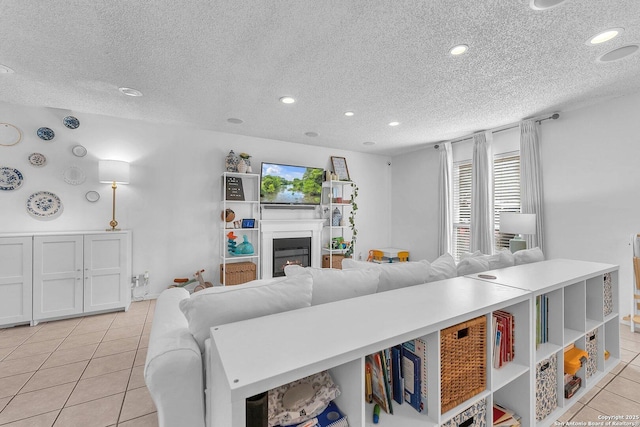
pixel 591 174
pixel 173 203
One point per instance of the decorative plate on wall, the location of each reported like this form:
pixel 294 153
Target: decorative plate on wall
pixel 92 196
pixel 37 159
pixel 9 134
pixel 10 179
pixel 46 134
pixel 74 175
pixel 44 205
pixel 71 122
pixel 79 151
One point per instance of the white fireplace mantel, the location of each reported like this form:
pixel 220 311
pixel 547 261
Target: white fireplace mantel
pixel 282 229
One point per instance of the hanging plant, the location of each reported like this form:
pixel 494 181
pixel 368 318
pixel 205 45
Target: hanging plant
pixel 352 221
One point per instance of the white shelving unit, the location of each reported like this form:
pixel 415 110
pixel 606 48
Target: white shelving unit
pixel 576 308
pixel 247 208
pixel 336 195
pixel 382 320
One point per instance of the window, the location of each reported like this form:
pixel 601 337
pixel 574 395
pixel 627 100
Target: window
pixel 506 194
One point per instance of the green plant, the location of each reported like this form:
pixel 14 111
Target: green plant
pixel 352 221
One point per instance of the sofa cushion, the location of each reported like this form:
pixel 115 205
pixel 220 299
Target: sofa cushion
pixel 527 256
pixel 476 263
pixel 444 267
pixel 333 285
pixel 219 305
pixel 393 275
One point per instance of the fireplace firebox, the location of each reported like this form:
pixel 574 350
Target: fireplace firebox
pixel 295 250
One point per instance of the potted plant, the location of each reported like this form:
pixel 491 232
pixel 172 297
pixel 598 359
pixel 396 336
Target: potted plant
pixel 245 158
pixel 352 221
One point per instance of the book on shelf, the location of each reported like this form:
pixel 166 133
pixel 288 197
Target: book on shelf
pixel 418 347
pixel 504 417
pixel 504 342
pixel 380 388
pixel 397 378
pixel 411 367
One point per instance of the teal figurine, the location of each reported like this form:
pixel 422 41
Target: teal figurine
pixel 244 248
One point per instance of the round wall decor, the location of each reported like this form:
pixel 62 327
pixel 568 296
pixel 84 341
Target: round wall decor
pixel 9 134
pixel 44 205
pixel 37 159
pixel 71 122
pixel 46 134
pixel 10 179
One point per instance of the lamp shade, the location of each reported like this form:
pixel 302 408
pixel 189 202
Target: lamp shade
pixel 113 171
pixel 517 223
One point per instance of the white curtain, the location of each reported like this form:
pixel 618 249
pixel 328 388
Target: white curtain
pixel 531 180
pixel 445 199
pixel 482 233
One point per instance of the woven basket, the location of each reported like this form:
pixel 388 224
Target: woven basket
pixel 463 362
pixel 332 261
pixel 238 272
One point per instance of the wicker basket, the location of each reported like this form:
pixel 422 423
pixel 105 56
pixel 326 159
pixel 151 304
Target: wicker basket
pixel 463 362
pixel 238 272
pixel 334 261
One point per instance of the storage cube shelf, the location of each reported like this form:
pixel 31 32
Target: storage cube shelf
pixel 338 336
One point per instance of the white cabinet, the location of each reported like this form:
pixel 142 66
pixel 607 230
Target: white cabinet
pixel 15 280
pixel 240 200
pixel 75 274
pixel 336 208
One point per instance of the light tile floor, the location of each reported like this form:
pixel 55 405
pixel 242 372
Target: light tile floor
pixel 78 372
pixel 88 372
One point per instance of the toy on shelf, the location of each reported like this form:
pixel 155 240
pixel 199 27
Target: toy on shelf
pixel 231 243
pixel 244 248
pixel 181 282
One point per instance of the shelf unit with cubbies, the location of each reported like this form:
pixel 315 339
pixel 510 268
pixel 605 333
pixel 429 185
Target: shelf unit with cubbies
pixel 336 199
pixel 240 192
pixel 582 311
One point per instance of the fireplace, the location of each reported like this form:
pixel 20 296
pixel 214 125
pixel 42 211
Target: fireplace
pixel 287 251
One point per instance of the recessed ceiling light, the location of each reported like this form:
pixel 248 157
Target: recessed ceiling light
pixel 349 113
pixel 311 134
pixel 368 143
pixel 544 4
pixel 129 91
pixel 287 100
pixel 235 121
pixel 621 52
pixel 394 123
pixel 459 49
pixel 5 70
pixel 605 36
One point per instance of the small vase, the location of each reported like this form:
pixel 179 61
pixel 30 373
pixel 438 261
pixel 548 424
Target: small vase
pixel 248 162
pixel 242 166
pixel 231 162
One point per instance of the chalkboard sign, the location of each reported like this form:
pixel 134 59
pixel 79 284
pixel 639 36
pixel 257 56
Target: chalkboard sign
pixel 234 188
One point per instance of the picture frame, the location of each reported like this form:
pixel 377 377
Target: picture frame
pixel 234 188
pixel 248 223
pixel 340 168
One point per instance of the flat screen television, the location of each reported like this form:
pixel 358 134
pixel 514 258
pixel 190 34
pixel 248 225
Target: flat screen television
pixel 290 185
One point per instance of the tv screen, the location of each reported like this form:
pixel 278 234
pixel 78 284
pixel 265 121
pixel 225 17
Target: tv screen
pixel 290 185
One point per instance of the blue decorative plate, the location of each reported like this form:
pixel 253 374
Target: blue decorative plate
pixel 71 122
pixel 44 205
pixel 10 179
pixel 46 134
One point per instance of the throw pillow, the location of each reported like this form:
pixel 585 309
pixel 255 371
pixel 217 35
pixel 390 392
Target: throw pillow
pixel 331 285
pixel 219 305
pixel 527 256
pixel 394 275
pixel 444 267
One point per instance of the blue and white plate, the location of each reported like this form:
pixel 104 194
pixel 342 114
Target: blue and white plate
pixel 10 179
pixel 71 122
pixel 46 134
pixel 37 159
pixel 44 205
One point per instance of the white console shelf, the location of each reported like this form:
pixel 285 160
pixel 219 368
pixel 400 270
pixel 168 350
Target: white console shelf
pixel 249 357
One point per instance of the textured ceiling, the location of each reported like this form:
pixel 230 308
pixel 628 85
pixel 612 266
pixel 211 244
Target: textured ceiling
pixel 202 62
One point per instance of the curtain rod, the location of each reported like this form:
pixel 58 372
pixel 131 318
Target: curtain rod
pixel 554 116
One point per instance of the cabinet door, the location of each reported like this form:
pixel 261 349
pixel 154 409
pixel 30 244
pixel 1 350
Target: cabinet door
pixel 57 276
pixel 15 280
pixel 106 281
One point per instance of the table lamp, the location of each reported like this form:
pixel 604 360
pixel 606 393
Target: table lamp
pixel 518 224
pixel 113 172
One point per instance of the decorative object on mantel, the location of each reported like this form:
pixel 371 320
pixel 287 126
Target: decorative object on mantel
pixel 74 175
pixel 44 205
pixel 79 151
pixel 352 221
pixel 37 159
pixel 71 122
pixel 114 172
pixel 231 162
pixel 92 196
pixel 9 135
pixel 340 168
pixel 245 158
pixel 45 133
pixel 10 179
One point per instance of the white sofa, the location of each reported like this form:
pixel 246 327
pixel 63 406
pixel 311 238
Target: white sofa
pixel 174 370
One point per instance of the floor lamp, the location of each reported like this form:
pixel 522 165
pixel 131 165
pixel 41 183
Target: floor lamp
pixel 518 224
pixel 113 172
